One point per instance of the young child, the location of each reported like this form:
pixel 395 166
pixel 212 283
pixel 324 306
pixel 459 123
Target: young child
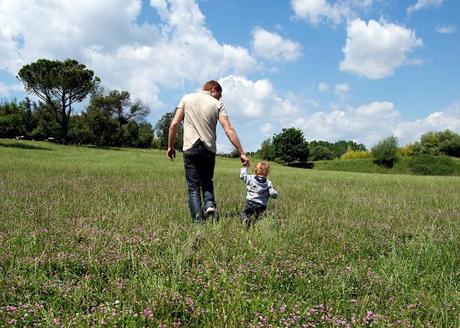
pixel 259 189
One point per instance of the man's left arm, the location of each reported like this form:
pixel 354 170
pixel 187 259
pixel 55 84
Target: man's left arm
pixel 233 137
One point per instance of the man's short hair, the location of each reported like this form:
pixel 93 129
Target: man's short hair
pixel 212 84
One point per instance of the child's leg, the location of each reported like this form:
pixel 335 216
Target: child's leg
pixel 247 212
pixel 258 211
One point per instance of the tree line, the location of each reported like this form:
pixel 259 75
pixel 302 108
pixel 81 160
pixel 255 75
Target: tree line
pixel 112 118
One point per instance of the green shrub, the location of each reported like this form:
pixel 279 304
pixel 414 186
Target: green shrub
pixel 386 151
pixel 425 164
pixel 440 143
pixel 319 153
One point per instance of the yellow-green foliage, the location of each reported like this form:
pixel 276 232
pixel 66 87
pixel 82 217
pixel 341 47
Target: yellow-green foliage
pixel 407 150
pixel 353 154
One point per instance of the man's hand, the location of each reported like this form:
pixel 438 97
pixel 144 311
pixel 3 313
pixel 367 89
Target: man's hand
pixel 244 160
pixel 171 153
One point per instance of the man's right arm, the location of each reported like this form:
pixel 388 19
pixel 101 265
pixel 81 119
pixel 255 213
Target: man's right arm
pixel 175 123
pixel 233 137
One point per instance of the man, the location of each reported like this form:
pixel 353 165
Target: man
pixel 200 112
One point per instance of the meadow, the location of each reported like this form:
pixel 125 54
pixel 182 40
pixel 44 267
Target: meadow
pixel 102 237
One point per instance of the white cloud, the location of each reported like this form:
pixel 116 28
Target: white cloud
pixel 7 89
pixel 245 99
pixel 420 4
pixel 342 90
pixel 365 124
pixel 105 36
pixel 323 87
pixel 449 29
pixel 370 123
pixel 318 11
pixel 258 104
pixel 438 121
pixel 267 129
pixel 376 49
pixel 273 47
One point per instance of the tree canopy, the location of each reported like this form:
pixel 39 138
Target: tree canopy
pixel 162 130
pixel 59 84
pixel 290 145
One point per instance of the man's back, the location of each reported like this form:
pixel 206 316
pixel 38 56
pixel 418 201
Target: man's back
pixel 201 112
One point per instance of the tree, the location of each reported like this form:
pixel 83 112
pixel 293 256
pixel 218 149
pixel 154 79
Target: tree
pixel 45 125
pixel 267 150
pixel 145 137
pixel 385 152
pixel 59 84
pixel 290 145
pixel 437 143
pixel 104 129
pixel 130 133
pixel 162 130
pixel 12 122
pixel 338 148
pixel 319 153
pixel 119 106
pixel 80 132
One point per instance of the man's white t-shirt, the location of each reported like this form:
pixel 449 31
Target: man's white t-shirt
pixel 201 113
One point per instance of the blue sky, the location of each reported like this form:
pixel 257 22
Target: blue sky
pixel 358 70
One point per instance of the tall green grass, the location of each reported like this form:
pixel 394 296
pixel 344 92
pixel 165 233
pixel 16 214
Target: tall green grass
pixel 94 237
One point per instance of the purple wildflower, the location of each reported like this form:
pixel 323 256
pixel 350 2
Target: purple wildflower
pixel 148 313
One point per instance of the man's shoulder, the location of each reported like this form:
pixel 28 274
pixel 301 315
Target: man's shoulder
pixel 199 96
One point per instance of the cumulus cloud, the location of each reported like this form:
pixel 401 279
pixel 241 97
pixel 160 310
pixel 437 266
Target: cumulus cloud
pixel 273 47
pixel 342 90
pixel 370 123
pixel 318 11
pixel 365 124
pixel 7 89
pixel 376 49
pixel 420 4
pixel 257 104
pixel 105 35
pixel 449 29
pixel 254 99
pixel 323 87
pixel 267 129
pixel 437 121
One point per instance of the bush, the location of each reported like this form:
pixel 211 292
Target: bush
pixel 426 164
pixel 319 153
pixel 440 143
pixel 267 150
pixel 386 151
pixel 408 150
pixel 354 154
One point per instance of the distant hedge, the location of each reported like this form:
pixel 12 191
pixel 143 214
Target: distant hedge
pixel 425 164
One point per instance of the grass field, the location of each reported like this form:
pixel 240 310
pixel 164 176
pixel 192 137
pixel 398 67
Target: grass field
pixel 94 237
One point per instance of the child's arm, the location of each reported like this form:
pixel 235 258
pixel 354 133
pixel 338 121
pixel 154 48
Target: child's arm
pixel 271 191
pixel 244 174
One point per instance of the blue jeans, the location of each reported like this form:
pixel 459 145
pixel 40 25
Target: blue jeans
pixel 199 171
pixel 252 211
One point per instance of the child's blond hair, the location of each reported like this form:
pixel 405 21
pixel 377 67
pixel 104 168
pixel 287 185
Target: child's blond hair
pixel 262 169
